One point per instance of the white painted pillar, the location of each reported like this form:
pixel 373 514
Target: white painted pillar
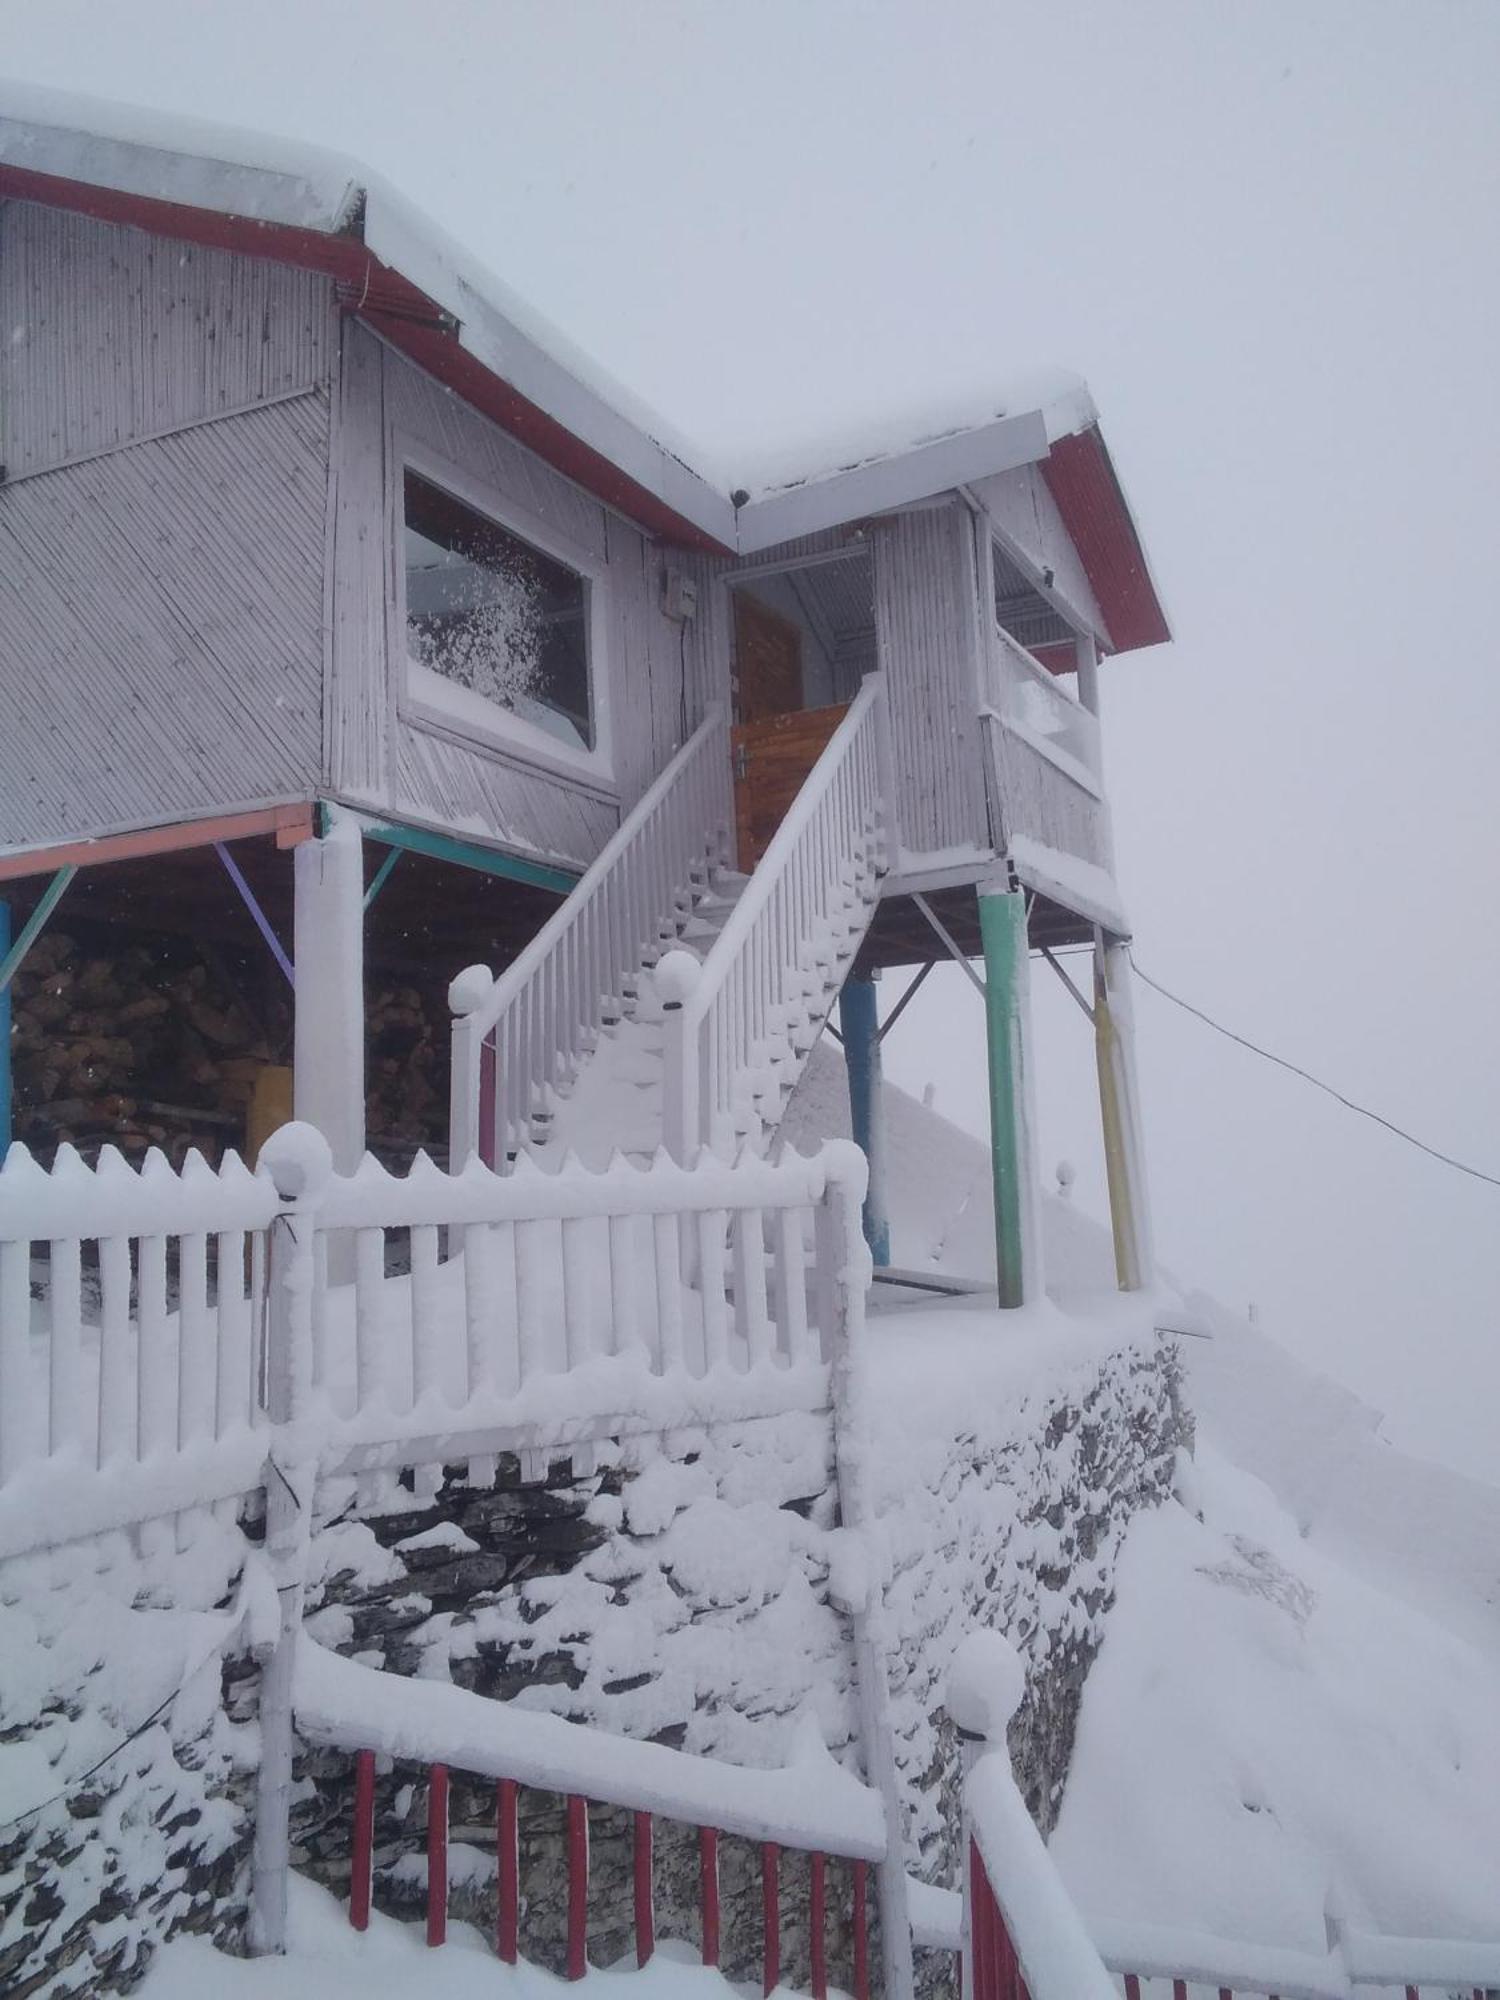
pixel 1086 652
pixel 329 953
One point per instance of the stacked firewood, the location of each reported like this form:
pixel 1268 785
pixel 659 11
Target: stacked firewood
pixel 135 1046
pixel 165 1044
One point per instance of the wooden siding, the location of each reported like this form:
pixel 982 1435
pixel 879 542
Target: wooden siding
pixel 927 633
pixel 161 627
pixel 1039 801
pixel 1021 507
pixel 377 754
pixel 113 336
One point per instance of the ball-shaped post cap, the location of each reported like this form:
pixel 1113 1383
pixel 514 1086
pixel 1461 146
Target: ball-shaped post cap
pixel 677 973
pixel 297 1158
pixel 468 990
pixel 986 1685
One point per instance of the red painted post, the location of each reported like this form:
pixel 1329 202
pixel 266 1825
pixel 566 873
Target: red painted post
pixel 708 1873
pixel 437 1854
pixel 979 1938
pixel 1412 1993
pixel 770 1907
pixel 1225 1993
pixel 1132 1986
pixel 861 1933
pixel 507 1872
pixel 1179 1989
pixel 364 1840
pixel 487 1099
pixel 578 1886
pixel 815 1924
pixel 645 1907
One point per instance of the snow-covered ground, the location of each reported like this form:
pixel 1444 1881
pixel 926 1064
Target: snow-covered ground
pixel 390 1961
pixel 1294 1715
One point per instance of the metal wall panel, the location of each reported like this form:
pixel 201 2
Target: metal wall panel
pixel 161 627
pixel 927 632
pixel 112 335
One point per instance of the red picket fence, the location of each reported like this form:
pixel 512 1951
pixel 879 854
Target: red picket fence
pixel 508 1883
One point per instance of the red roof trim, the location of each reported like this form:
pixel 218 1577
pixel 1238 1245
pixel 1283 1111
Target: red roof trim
pixel 1082 480
pixel 396 308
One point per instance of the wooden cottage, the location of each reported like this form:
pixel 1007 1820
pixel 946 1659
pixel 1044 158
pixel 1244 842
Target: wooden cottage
pixel 351 639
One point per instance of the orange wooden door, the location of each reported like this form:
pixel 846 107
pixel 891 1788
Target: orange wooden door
pixel 767 661
pixel 772 757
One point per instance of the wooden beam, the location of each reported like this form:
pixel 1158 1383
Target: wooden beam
pixel 468 854
pixel 291 824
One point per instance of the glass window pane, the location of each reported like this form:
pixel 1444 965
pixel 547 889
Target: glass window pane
pixel 489 612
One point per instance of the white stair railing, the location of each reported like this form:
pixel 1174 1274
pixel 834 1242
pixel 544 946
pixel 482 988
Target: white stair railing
pixel 740 1025
pixel 518 1035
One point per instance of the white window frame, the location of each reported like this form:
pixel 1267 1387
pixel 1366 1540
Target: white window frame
pixel 427 700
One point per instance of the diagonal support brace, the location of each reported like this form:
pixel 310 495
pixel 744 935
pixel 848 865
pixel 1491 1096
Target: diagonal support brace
pixel 31 930
pixel 262 922
pixel 948 940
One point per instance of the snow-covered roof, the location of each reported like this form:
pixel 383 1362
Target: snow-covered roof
pixel 395 267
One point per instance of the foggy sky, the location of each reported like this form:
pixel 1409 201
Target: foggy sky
pixel 1266 234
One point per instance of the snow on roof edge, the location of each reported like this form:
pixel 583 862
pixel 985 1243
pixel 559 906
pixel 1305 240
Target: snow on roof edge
pixel 225 169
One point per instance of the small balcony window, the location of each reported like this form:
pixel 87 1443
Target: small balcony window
pixel 497 622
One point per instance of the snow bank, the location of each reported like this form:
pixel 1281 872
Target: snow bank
pixel 1267 1741
pixel 326 1960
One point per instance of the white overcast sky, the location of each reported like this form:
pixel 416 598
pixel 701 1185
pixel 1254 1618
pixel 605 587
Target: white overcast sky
pixel 1266 232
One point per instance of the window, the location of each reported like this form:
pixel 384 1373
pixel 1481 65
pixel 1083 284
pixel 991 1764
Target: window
pixel 489 614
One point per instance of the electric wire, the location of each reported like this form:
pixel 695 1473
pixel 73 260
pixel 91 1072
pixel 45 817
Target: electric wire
pixel 1281 1062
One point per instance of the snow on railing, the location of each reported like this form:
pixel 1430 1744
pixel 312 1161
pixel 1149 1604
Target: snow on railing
pixel 740 1024
pixel 1034 707
pixel 516 1036
pixel 131 1310
pixel 149 1321
pixel 1021 1934
pixel 813 1807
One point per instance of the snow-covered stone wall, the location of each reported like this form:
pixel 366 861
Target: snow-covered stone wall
pixel 125 1788
pixel 680 1593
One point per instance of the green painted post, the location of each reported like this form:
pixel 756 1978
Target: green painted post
pixel 859 1024
pixel 1002 930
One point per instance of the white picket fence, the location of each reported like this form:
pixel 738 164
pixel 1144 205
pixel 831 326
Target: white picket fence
pixel 517 1036
pixel 156 1326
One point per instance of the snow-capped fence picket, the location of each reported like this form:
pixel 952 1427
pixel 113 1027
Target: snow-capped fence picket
pixel 754 1008
pixel 516 1036
pixel 813 1810
pixel 526 1313
pixel 130 1309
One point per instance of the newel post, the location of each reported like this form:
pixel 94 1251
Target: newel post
pixel 986 1685
pixel 300 1164
pixel 467 993
pixel 845 1286
pixel 677 976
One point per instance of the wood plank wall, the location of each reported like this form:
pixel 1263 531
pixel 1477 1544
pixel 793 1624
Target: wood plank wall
pixel 165 423
pixel 409 765
pixel 112 335
pixel 927 632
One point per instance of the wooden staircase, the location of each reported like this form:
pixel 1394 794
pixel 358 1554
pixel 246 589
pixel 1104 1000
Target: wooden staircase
pixel 671 1001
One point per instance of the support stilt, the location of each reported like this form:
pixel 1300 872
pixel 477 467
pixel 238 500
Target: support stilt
pixel 1119 1110
pixel 328 951
pixel 1002 930
pixel 859 1022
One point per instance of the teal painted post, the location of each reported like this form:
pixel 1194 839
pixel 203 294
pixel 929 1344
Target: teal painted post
pixel 1002 930
pixel 5 1087
pixel 859 1025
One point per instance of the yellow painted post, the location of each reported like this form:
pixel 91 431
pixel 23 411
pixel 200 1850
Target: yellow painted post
pixel 1119 1112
